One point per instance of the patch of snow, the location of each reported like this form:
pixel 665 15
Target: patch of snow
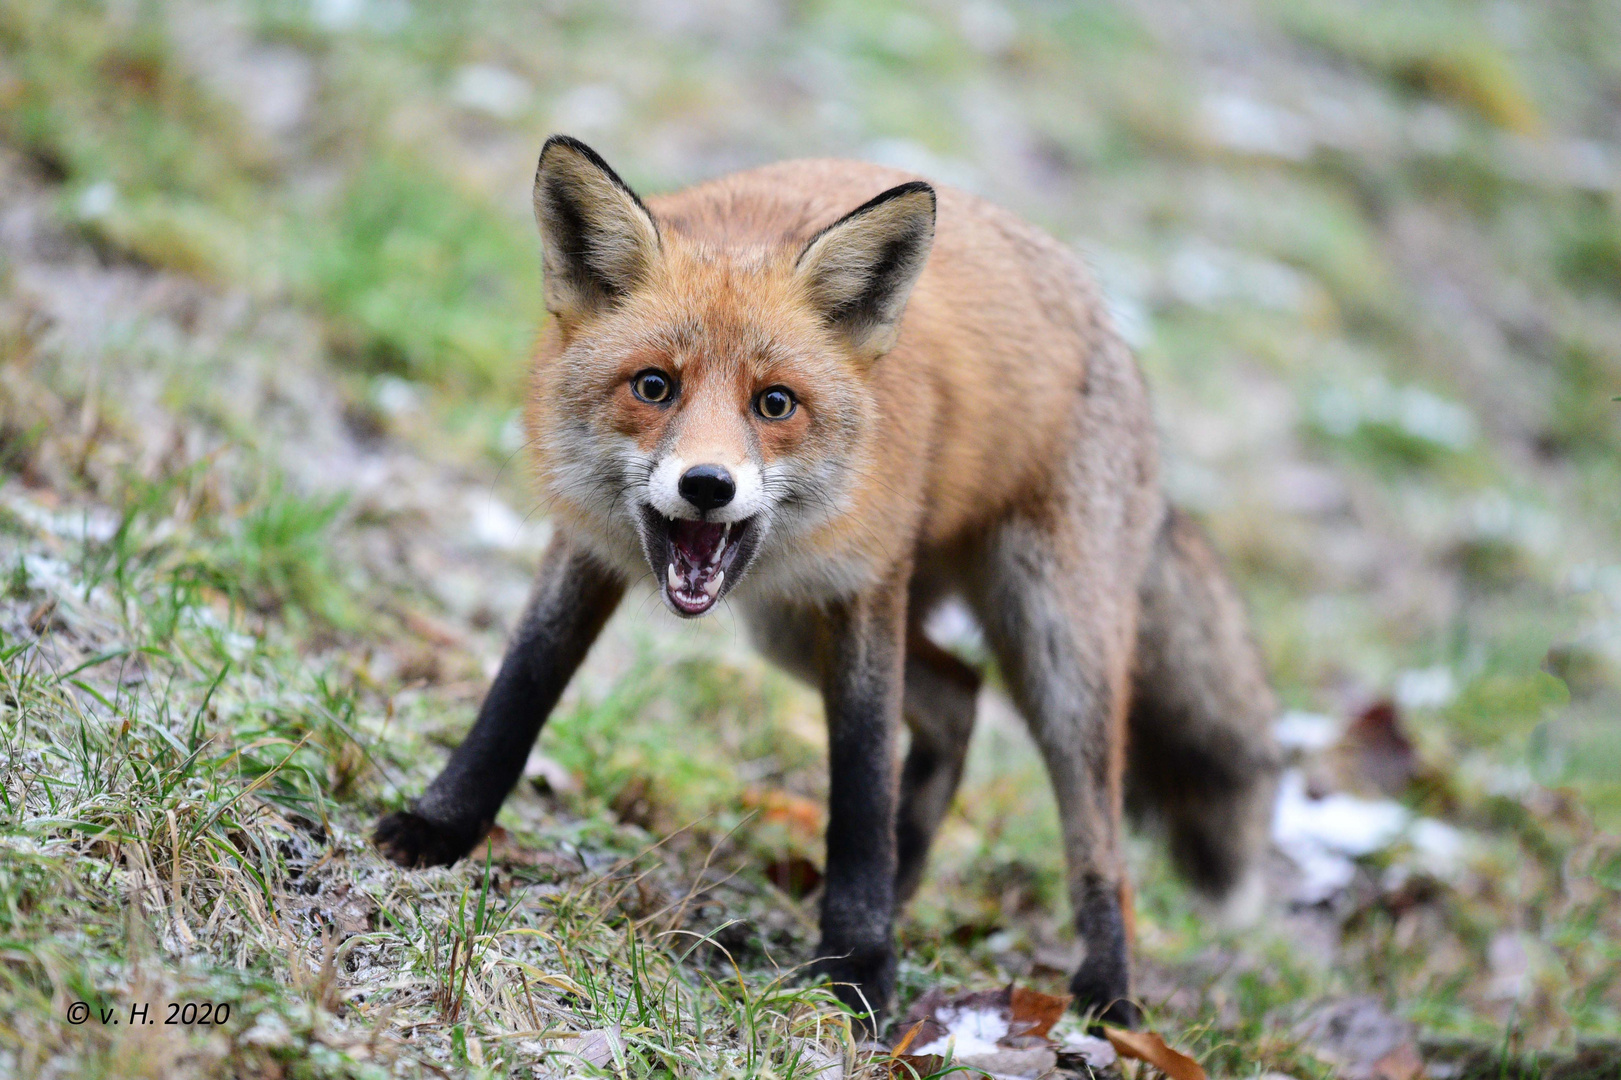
pixel 493 524
pixel 91 524
pixel 952 625
pixel 1324 836
pixel 393 395
pixel 269 1031
pixel 1306 732
pixel 1097 1053
pixel 1343 823
pixel 1426 688
pixel 969 1031
pixel 1440 846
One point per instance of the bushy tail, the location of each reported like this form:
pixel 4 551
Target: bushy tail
pixel 1201 757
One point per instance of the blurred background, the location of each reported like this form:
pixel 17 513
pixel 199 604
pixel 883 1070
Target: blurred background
pixel 268 278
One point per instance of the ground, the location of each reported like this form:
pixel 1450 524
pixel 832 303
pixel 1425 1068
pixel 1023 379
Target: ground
pixel 267 280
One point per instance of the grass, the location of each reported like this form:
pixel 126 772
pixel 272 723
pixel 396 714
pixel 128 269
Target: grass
pixel 421 281
pixel 224 650
pixel 185 797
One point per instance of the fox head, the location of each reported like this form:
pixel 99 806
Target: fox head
pixel 701 409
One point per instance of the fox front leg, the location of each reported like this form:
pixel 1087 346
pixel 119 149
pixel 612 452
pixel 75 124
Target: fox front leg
pixel 572 599
pixel 863 658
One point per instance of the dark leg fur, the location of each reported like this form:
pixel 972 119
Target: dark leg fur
pixel 573 597
pixel 939 709
pixel 1202 754
pixel 862 655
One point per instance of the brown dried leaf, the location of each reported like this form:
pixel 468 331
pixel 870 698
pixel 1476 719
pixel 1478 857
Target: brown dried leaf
pixel 795 875
pixel 1034 1013
pixel 1402 1063
pixel 1381 753
pixel 1025 1050
pixel 907 1040
pixel 1149 1047
pixel 908 1067
pixel 801 816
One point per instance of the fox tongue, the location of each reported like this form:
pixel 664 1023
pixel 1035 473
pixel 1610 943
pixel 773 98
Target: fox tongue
pixel 696 547
pixel 696 542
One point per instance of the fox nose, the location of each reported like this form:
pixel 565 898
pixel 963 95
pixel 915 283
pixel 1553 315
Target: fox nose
pixel 707 487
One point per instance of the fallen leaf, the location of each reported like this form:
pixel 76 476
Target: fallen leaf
pixel 795 875
pixel 599 1048
pixel 908 1039
pixel 904 1065
pixel 1381 754
pixel 799 815
pixel 40 617
pixel 1004 1032
pixel 1402 1063
pixel 1148 1047
pixel 634 804
pixel 433 630
pixel 1034 1013
pixel 912 1067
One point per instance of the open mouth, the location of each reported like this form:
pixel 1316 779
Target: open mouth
pixel 697 556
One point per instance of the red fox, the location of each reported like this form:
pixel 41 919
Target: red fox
pixel 839 396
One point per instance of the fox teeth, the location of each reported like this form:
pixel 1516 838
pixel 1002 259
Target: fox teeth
pixel 713 587
pixel 672 579
pixel 720 549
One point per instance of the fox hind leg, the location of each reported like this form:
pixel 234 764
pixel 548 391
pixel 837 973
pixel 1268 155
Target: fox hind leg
pixel 1202 758
pixel 1060 625
pixel 938 706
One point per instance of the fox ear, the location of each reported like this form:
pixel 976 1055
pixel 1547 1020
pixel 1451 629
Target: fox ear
pixel 599 240
pixel 859 270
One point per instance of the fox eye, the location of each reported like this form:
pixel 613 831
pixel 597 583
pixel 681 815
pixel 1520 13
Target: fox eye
pixel 775 403
pixel 652 386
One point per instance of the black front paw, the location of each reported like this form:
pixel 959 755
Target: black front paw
pixel 863 980
pixel 1101 990
pixel 413 841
